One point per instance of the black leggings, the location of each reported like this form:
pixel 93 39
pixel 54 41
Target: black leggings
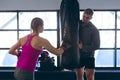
pixel 23 75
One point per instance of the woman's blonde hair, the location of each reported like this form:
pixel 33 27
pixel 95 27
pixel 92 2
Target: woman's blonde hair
pixel 35 23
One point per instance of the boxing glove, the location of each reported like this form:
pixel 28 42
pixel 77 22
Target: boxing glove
pixel 65 45
pixel 19 53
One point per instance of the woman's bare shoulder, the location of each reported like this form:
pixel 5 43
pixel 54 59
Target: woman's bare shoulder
pixel 42 39
pixel 23 39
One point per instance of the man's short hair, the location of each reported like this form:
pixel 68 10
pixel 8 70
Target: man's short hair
pixel 89 11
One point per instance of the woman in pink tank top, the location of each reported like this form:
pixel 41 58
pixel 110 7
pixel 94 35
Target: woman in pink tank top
pixel 32 46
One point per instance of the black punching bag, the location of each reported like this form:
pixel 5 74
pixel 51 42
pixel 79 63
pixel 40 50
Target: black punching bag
pixel 69 20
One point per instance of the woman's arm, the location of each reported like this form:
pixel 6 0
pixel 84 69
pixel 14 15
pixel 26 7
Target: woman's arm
pixel 14 49
pixel 46 44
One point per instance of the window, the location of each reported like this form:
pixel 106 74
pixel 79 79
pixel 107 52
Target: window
pixel 8 36
pixel 105 22
pixel 15 25
pixel 118 39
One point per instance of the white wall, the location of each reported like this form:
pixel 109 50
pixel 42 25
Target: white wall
pixel 100 4
pixel 29 4
pixel 55 4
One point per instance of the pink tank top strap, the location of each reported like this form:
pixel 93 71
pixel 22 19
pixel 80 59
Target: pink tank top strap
pixel 29 37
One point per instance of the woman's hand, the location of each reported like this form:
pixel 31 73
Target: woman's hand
pixel 80 45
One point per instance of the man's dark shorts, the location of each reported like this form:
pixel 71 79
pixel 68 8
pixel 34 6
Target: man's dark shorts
pixel 87 62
